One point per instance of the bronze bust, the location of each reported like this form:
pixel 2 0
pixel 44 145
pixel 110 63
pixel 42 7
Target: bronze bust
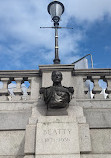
pixel 57 96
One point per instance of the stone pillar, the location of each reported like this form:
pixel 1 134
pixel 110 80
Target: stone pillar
pixel 79 87
pixel 57 136
pixel 35 87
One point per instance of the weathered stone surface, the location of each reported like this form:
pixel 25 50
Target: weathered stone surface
pixel 60 67
pixel 29 156
pixel 84 138
pixel 39 110
pixel 75 110
pixel 57 119
pixel 33 120
pixel 14 119
pixel 94 103
pixel 57 112
pixel 30 138
pixel 96 156
pixel 78 112
pixel 12 143
pixel 57 135
pixel 98 118
pixel 101 141
pixel 81 120
pixel 11 156
pixel 3 98
pixel 46 82
pixel 17 105
pixel 15 98
pixel 36 82
pixel 58 156
pixel 79 87
pixel 97 111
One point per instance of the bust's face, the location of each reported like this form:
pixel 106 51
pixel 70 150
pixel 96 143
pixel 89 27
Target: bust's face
pixel 56 76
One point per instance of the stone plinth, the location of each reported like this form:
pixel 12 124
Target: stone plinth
pixel 57 137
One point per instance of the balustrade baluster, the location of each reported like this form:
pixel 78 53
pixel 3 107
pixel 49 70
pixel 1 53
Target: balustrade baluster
pixel 108 89
pixel 86 89
pixel 29 89
pixel 97 89
pixel 26 92
pixel 17 90
pixel 4 90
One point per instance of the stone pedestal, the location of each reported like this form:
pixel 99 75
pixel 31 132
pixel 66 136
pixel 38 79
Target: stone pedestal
pixel 57 137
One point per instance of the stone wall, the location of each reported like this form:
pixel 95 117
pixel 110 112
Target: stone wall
pixel 16 110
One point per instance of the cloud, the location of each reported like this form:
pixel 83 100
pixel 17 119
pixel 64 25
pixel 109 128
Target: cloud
pixel 20 21
pixel 87 10
pixel 25 44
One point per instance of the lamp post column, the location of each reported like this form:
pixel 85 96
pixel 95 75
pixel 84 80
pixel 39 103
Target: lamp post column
pixel 56 9
pixel 56 60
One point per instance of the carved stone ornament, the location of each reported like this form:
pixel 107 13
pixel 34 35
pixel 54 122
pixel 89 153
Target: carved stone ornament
pixel 57 96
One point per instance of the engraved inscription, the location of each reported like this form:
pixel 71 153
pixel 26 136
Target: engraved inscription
pixel 57 140
pixel 57 131
pixel 56 135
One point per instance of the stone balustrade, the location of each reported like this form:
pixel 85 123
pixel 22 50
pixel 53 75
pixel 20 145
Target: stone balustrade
pixel 19 85
pixel 24 85
pixel 96 83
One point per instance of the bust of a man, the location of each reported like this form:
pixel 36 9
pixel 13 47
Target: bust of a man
pixel 57 96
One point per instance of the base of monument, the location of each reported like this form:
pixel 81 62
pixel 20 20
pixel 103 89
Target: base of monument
pixel 58 156
pixel 57 137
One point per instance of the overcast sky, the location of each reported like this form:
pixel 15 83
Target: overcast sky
pixel 23 45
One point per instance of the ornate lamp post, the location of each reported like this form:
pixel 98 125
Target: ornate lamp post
pixel 56 9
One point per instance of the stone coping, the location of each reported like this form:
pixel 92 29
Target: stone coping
pixel 91 72
pixel 19 73
pixel 60 67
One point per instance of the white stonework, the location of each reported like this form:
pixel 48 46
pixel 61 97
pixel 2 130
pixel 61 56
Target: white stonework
pixel 101 141
pixel 98 117
pixel 30 139
pixel 11 143
pixel 77 111
pixel 26 131
pixel 57 136
pixel 29 156
pixel 84 138
pixel 96 156
pixel 16 156
pixel 58 156
pixel 10 120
